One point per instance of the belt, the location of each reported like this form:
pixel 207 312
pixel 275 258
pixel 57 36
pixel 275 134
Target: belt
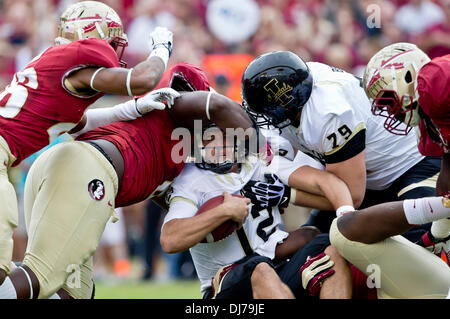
pixel 101 151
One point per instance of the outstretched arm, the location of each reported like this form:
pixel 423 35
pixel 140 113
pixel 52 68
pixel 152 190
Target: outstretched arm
pixel 326 190
pixel 126 111
pixel 376 223
pixel 224 112
pixel 133 82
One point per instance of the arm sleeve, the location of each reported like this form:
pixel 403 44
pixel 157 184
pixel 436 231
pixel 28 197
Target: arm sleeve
pixel 331 126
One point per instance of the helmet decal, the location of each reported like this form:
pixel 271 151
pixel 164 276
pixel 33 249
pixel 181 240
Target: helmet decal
pixel 278 95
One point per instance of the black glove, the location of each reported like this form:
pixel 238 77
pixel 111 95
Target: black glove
pixel 269 194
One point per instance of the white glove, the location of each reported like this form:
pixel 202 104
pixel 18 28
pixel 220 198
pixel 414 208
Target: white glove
pixel 161 37
pixel 154 100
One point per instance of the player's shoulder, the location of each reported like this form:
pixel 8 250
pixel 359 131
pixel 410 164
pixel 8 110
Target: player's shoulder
pixel 94 51
pixel 189 177
pixel 329 94
pixel 432 86
pixel 434 70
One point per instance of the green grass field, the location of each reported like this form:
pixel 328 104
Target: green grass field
pixel 149 290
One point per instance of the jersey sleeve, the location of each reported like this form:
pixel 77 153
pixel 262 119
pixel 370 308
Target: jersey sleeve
pixel 96 52
pixel 180 207
pixel 332 128
pixel 433 86
pixel 343 137
pixel 183 197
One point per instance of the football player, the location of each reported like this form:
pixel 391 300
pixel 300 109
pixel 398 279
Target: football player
pixel 50 95
pixel 73 188
pixel 410 91
pixel 259 259
pixel 364 239
pixel 368 238
pixel 325 112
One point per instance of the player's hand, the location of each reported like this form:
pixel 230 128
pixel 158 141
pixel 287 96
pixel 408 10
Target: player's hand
pixel 315 271
pixel 267 194
pixel 161 37
pixel 154 100
pixel 236 207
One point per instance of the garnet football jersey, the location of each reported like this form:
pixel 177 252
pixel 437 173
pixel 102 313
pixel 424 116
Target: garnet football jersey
pixel 433 86
pixel 37 107
pixel 150 155
pixel 146 147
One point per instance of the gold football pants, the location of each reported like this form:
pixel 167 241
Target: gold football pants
pixel 9 213
pixel 406 270
pixel 69 198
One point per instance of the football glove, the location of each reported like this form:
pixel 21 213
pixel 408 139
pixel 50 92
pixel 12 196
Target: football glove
pixel 154 100
pixel 161 37
pixel 315 271
pixel 267 194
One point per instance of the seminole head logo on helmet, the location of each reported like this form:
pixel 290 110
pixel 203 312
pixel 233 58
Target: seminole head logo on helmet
pixel 92 19
pixel 390 82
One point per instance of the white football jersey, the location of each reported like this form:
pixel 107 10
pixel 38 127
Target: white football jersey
pixel 263 229
pixel 332 126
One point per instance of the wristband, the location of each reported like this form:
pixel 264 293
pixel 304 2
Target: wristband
pixel 293 195
pixel 207 104
pixel 128 82
pixel 93 77
pixel 343 209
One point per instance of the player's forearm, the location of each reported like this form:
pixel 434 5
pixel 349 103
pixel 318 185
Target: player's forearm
pixel 132 82
pixel 306 199
pixel 226 113
pixel 319 189
pixel 336 191
pixel 194 106
pixel 183 233
pixel 146 75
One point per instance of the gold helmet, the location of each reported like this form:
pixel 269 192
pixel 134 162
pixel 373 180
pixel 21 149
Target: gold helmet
pixel 390 81
pixel 92 19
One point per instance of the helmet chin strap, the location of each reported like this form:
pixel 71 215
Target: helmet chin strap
pixel 412 117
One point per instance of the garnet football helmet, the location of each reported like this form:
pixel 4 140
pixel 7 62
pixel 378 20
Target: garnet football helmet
pixel 390 81
pixel 275 86
pixel 92 19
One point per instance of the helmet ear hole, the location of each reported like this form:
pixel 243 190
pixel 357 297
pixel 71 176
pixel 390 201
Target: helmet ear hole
pixel 408 77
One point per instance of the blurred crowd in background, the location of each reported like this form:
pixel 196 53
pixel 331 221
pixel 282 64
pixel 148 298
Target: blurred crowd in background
pixel 221 36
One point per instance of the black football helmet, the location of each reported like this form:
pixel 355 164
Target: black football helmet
pixel 275 86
